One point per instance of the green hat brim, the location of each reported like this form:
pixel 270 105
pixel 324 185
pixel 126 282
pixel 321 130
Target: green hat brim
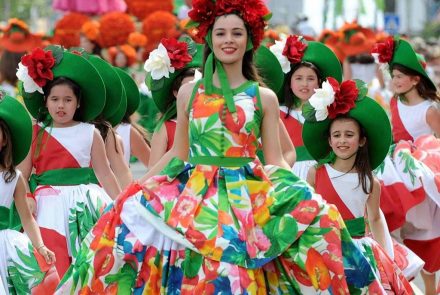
pixel 113 86
pixel 131 92
pixel 160 90
pixel 117 117
pixel 20 126
pixel 324 59
pixel 370 115
pixel 82 72
pixel 269 68
pixel 405 55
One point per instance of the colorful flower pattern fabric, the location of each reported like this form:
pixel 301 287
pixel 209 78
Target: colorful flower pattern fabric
pixel 230 226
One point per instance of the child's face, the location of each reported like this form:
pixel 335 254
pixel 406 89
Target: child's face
pixel 120 60
pixel 303 83
pixel 345 138
pixel 403 83
pixel 62 104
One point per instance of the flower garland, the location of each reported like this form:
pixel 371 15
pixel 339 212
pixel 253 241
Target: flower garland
pixel 253 12
pixel 289 50
pixel 333 99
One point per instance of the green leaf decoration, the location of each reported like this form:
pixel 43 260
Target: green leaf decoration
pixel 192 263
pixel 267 16
pixel 57 52
pixel 192 47
pixel 362 87
pixel 192 24
pixel 309 112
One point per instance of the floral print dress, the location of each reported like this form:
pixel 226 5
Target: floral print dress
pixel 221 223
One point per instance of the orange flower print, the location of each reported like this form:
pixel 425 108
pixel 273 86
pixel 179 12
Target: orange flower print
pixel 317 270
pixel 206 105
pixel 246 145
pixel 183 212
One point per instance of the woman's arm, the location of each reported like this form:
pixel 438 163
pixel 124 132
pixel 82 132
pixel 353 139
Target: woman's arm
pixel 139 147
pixel 375 219
pixel 433 120
pixel 270 135
pixel 115 155
pixel 311 176
pixel 30 226
pixel 26 169
pixel 102 168
pixel 287 147
pixel 159 143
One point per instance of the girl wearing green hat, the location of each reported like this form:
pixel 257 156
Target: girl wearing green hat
pixel 209 217
pixel 413 162
pixel 305 65
pixel 349 134
pixel 26 264
pixel 62 90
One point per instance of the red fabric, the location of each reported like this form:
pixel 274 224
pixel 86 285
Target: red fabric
pixel 294 129
pixel 58 244
pixel 427 251
pixel 324 187
pixel 52 154
pixel 170 126
pixel 399 131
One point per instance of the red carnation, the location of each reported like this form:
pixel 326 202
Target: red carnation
pixel 39 64
pixel 385 50
pixel 345 97
pixel 177 52
pixel 294 49
pixel 202 12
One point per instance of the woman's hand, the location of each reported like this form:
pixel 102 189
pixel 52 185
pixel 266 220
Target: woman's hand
pixel 48 255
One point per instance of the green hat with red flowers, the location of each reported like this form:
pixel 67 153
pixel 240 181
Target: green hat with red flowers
pixel 345 99
pixel 398 51
pixel 19 124
pixel 40 66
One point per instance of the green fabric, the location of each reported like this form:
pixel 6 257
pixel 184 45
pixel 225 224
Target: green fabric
pixel 356 226
pixel 324 59
pixel 19 123
pixel 65 176
pixel 131 91
pixel 13 221
pixel 269 69
pixel 220 161
pixel 302 154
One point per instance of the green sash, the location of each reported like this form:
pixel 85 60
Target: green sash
pixel 12 220
pixel 302 154
pixel 356 226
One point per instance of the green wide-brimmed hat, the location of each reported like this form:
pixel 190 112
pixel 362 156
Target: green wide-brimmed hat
pixel 369 114
pixel 269 68
pixel 160 89
pixel 75 68
pixel 20 126
pixel 131 91
pixel 405 55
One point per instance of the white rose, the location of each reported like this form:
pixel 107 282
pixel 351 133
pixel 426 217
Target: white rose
pixel 277 50
pixel 29 84
pixel 321 99
pixel 158 63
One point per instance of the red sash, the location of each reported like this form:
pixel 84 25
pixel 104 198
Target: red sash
pixel 170 126
pixel 399 130
pixel 294 129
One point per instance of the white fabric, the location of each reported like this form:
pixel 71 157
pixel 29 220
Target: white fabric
pixel 296 114
pixel 301 168
pixel 414 118
pixel 7 189
pixel 76 139
pixel 364 72
pixel 124 131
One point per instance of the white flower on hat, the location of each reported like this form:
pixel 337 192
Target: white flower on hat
pixel 277 50
pixel 158 63
pixel 29 84
pixel 384 67
pixel 321 99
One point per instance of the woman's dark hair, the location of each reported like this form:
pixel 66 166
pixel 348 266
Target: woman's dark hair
pixel 137 127
pixel 362 161
pixel 290 99
pixel 8 66
pixel 105 129
pixel 423 88
pixel 6 158
pixel 363 58
pixel 76 89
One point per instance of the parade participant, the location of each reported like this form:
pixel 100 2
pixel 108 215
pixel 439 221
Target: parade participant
pixel 26 264
pixel 209 217
pixel 414 159
pixel 61 95
pixel 305 65
pixel 350 134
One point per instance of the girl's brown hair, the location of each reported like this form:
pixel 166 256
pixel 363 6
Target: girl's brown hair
pixel 6 159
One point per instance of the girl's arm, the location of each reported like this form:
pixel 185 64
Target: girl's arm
pixel 102 168
pixel 158 145
pixel 114 150
pixel 289 153
pixel 270 136
pixel 29 224
pixel 180 146
pixel 139 147
pixel 26 169
pixel 433 120
pixel 377 223
pixel 311 176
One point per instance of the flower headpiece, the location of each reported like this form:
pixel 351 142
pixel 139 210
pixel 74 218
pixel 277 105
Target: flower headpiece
pixel 170 55
pixel 333 99
pixel 253 12
pixel 289 50
pixel 35 68
pixel 383 51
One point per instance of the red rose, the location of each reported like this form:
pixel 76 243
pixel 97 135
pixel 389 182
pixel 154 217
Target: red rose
pixel 385 50
pixel 345 97
pixel 177 52
pixel 39 64
pixel 294 49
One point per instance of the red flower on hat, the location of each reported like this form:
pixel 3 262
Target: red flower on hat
pixel 384 50
pixel 203 12
pixel 294 49
pixel 39 64
pixel 345 97
pixel 177 52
